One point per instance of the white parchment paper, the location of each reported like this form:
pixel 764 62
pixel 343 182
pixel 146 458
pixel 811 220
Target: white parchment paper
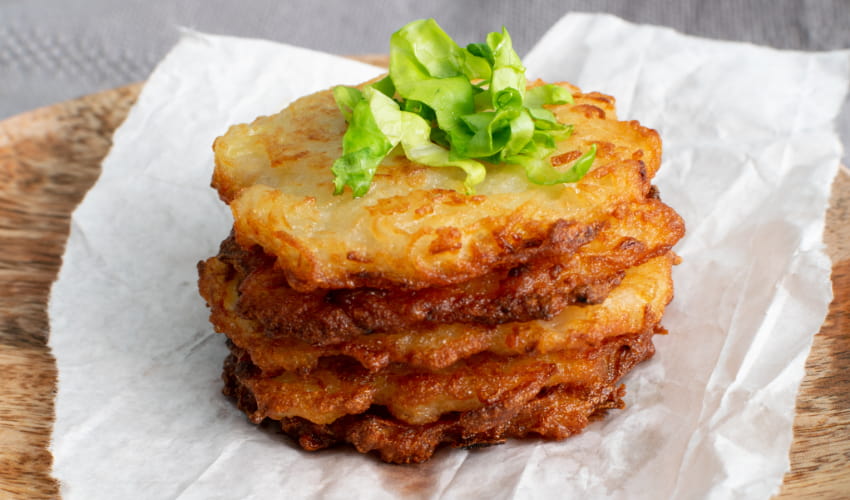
pixel 749 156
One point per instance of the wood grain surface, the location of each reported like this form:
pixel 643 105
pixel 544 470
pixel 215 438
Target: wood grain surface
pixel 50 157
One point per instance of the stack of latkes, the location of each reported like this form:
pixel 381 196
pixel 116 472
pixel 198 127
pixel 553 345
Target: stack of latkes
pixel 418 315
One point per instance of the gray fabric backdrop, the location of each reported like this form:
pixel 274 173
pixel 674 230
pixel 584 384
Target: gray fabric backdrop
pixel 53 50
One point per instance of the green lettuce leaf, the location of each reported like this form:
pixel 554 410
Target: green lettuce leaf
pixel 540 170
pixel 450 106
pixel 365 144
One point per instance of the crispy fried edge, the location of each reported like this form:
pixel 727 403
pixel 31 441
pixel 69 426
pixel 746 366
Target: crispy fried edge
pixel 554 412
pixel 641 153
pixel 537 290
pixel 376 351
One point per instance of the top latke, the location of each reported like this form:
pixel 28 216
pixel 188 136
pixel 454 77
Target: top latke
pixel 415 228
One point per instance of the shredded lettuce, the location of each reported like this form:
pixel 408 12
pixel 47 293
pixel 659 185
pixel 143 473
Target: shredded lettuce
pixel 449 106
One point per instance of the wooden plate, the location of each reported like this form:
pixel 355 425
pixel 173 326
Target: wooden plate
pixel 50 157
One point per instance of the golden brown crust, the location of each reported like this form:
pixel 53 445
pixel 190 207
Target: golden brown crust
pixel 517 294
pixel 636 304
pixel 555 415
pixel 417 316
pixel 553 411
pixel 340 386
pixel 540 289
pixel 415 229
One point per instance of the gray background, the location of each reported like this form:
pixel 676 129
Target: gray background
pixel 53 50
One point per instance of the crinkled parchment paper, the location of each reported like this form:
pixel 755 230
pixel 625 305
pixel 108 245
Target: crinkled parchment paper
pixel 749 156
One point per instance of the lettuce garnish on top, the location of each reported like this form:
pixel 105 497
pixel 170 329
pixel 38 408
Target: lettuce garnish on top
pixel 449 106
